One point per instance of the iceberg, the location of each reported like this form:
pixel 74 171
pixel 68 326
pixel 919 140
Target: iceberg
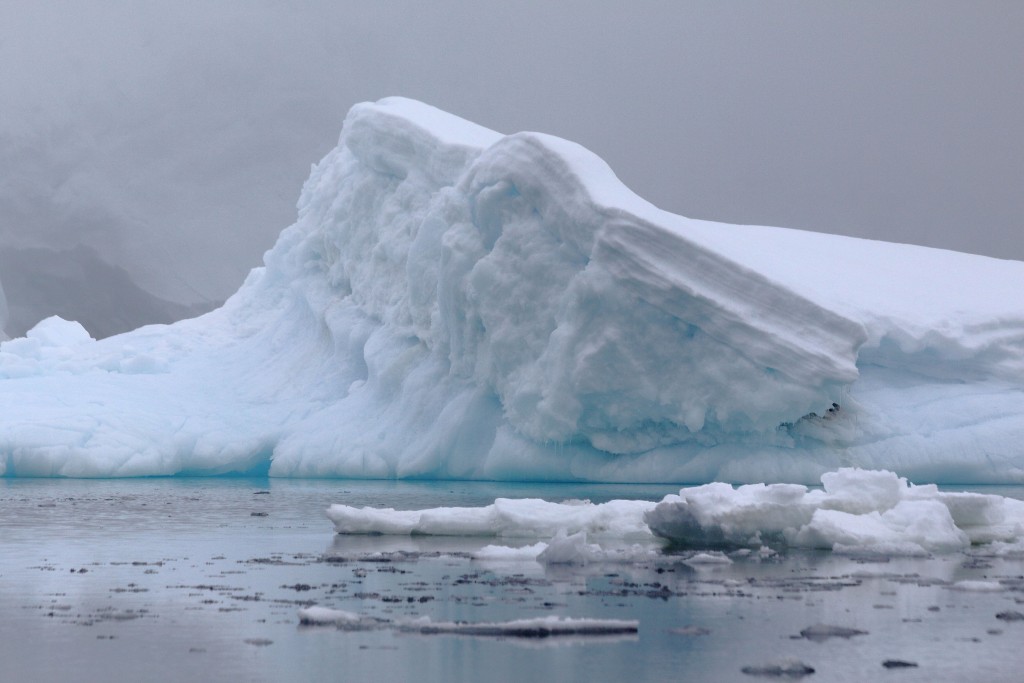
pixel 456 303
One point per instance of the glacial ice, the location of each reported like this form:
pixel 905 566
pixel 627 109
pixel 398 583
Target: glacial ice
pixel 856 511
pixel 506 517
pixel 536 627
pixel 456 303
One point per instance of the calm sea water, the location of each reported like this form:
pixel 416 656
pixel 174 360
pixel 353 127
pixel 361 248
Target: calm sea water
pixel 201 579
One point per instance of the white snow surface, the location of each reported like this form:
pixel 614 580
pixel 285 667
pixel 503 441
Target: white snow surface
pixel 856 511
pixel 456 303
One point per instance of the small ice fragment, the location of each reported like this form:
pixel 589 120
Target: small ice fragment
pixel 1010 616
pixel 503 553
pixel 819 633
pixel 349 621
pixel 790 668
pixel 541 627
pixel 570 549
pixel 898 664
pixel 710 558
pixel 977 586
pixel 259 642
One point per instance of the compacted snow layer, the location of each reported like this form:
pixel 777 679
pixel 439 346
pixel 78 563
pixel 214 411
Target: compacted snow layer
pixel 455 303
pixel 856 511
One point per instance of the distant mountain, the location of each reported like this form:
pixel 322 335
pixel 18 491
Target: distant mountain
pixel 77 284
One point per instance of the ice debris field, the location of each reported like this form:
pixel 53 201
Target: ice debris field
pixel 456 303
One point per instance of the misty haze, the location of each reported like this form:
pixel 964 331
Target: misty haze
pixel 171 138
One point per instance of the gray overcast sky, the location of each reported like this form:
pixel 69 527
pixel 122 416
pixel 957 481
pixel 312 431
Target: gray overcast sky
pixel 173 137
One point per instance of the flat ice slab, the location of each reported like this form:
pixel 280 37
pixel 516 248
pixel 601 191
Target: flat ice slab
pixel 538 627
pixel 457 303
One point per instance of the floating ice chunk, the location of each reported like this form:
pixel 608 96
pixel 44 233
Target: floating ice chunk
pixel 821 632
pixel 892 518
pixel 977 586
pixel 504 553
pixel 911 527
pixel 522 518
pixel 787 668
pixel 540 627
pixel 858 491
pixel 706 559
pixel 570 549
pixel 349 621
pixel 858 511
pixel 1010 615
pixel 718 514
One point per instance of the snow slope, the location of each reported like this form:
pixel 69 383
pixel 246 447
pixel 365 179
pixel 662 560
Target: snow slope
pixel 452 302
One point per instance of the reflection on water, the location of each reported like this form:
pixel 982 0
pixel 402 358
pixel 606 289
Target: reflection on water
pixel 201 579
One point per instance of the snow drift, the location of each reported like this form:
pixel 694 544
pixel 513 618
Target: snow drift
pixel 452 302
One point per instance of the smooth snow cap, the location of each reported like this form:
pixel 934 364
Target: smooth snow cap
pixel 452 302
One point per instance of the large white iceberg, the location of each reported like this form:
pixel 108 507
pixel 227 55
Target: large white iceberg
pixel 455 303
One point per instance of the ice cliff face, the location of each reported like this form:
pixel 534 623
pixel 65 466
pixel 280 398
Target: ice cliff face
pixel 452 302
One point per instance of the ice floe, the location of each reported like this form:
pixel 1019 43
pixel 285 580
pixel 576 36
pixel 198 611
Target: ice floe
pixel 855 511
pixel 537 627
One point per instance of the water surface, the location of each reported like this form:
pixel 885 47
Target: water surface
pixel 201 579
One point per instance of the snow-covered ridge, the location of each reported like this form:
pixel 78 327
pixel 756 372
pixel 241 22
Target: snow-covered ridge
pixel 452 302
